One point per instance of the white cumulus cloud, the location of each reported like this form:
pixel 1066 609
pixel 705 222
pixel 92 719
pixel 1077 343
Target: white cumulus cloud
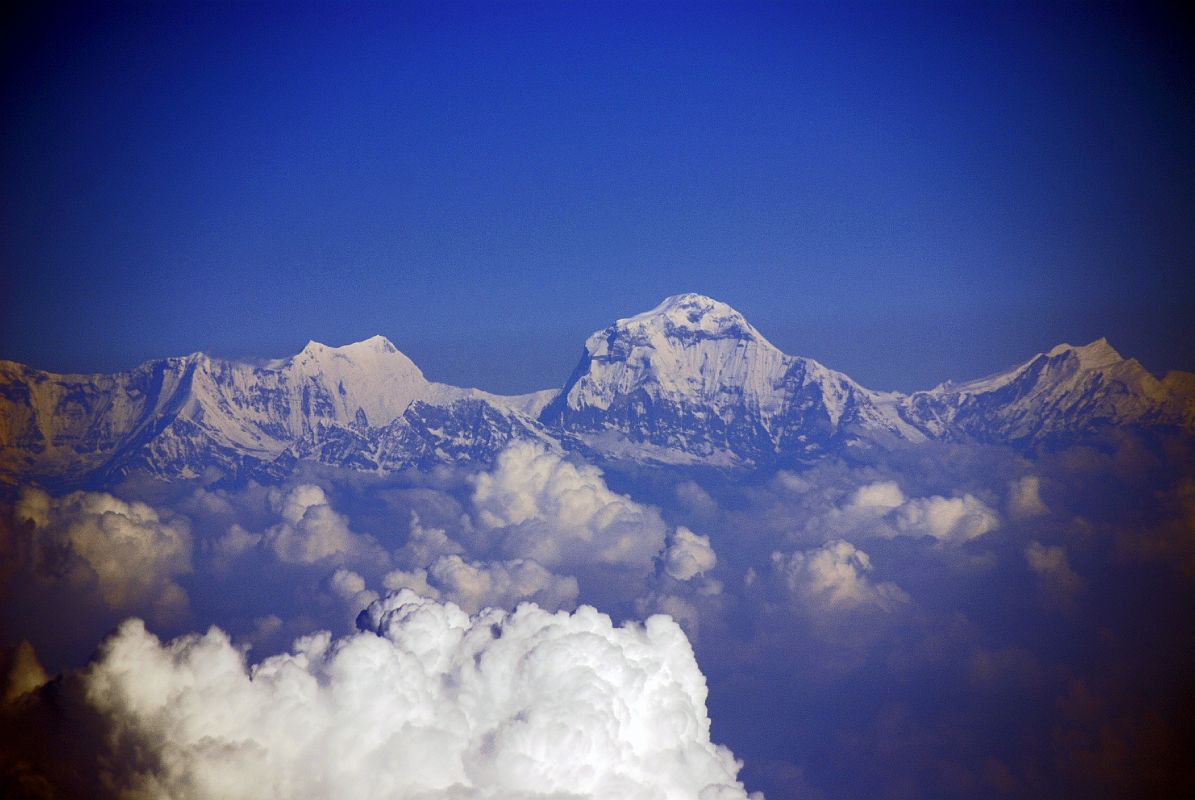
pixel 881 495
pixel 834 576
pixel 948 519
pixel 350 588
pixel 688 555
pixel 425 544
pixel 881 508
pixel 430 703
pixel 543 507
pixel 473 585
pixel 309 531
pixel 131 551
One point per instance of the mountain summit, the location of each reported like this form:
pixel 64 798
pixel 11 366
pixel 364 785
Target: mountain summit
pixel 692 316
pixel 693 377
pixel 1064 392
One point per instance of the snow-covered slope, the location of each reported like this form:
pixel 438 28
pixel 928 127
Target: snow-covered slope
pixel 693 378
pixel 1065 392
pixel 177 417
pixel 459 432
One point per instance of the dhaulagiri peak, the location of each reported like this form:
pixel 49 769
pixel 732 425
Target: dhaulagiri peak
pixel 693 313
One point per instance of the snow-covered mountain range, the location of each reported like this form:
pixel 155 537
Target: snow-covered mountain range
pixel 690 381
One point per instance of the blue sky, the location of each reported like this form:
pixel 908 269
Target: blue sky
pixel 907 192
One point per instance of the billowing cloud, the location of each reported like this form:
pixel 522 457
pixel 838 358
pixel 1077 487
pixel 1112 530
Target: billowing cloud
pixel 430 703
pixel 885 681
pixel 882 509
pixel 310 531
pixel 682 586
pixel 833 577
pixel 881 495
pixel 425 544
pixel 232 545
pixel 688 555
pixel 131 551
pixel 473 585
pixel 695 500
pixel 25 674
pixel 541 506
pixel 350 587
pixel 948 519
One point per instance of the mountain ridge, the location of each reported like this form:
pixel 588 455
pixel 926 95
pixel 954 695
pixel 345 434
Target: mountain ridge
pixel 689 381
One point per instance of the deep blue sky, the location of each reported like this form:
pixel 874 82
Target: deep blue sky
pixel 905 192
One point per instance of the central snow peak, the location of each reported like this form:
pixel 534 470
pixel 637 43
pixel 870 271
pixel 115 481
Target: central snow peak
pixel 693 376
pixel 372 375
pixel 690 348
pixel 692 316
pixel 1097 355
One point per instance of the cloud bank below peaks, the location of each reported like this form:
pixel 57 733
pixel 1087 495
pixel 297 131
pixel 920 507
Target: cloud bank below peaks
pixel 883 510
pixel 538 505
pixel 425 702
pixel 309 531
pixel 474 585
pixel 128 553
pixel 832 577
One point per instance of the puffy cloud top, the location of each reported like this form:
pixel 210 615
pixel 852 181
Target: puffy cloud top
pixel 688 555
pixel 560 513
pixel 880 495
pixel 311 529
pixel 1024 498
pixel 132 551
pixel 1058 582
pixel 833 576
pixel 957 519
pixel 474 585
pixel 293 505
pixel 429 703
pixel 881 508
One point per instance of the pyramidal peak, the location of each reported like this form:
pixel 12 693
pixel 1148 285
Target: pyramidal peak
pixel 693 315
pixel 374 344
pixel 374 364
pixel 1096 355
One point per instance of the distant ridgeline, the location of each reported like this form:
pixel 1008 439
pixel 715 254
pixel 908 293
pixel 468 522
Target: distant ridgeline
pixel 690 382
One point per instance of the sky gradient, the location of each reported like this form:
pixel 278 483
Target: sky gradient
pixel 906 193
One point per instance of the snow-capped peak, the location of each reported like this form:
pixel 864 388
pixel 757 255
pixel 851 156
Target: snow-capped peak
pixel 377 344
pixel 692 315
pixel 372 375
pixel 693 375
pixel 1096 355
